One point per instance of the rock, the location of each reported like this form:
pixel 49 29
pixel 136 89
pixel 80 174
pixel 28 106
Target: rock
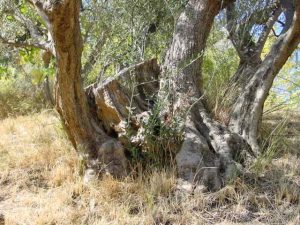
pixel 199 189
pixel 112 158
pixel 90 175
pixel 196 163
pixel 189 188
pixel 184 186
pixel 190 159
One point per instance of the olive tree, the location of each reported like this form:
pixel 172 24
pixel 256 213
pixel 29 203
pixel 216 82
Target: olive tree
pixel 210 152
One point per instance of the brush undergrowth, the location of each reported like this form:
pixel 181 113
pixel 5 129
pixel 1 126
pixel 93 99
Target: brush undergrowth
pixel 40 184
pixel 19 96
pixel 160 142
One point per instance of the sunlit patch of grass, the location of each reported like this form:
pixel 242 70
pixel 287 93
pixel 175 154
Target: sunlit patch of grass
pixel 32 141
pixel 40 184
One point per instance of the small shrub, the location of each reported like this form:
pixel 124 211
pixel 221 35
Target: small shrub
pixel 161 141
pixel 274 143
pixel 18 96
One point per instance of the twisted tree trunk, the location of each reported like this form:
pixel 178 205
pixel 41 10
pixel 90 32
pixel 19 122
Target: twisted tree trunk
pixel 94 146
pixel 208 150
pixel 94 119
pixel 248 107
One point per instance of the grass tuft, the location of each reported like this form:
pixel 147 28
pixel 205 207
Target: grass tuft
pixel 40 184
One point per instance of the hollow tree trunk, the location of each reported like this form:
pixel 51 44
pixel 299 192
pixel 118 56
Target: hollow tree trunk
pixel 248 109
pixel 125 97
pixel 209 149
pixel 95 147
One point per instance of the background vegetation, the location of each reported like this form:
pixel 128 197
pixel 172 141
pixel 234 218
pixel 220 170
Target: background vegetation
pixel 39 173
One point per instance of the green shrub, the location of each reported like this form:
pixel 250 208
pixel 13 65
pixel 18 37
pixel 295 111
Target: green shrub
pixel 18 96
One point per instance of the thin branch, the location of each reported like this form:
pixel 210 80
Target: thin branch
pixel 28 23
pixel 240 31
pixel 23 44
pixel 239 34
pixel 94 55
pixel 41 10
pixel 290 81
pixel 274 32
pixel 266 31
pixel 85 36
pixel 282 23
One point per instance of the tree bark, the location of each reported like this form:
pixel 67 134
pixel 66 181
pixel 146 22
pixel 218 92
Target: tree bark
pixel 248 50
pixel 97 149
pixel 238 81
pixel 208 150
pixel 123 97
pixel 248 109
pixel 93 118
pixel 48 93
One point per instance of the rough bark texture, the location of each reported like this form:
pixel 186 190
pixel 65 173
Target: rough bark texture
pixel 48 92
pixel 94 119
pixel 94 146
pixel 248 50
pixel 239 80
pixel 46 56
pixel 123 97
pixel 247 111
pixel 208 150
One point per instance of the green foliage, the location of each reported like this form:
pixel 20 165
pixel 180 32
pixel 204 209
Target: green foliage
pixel 124 26
pixel 285 92
pixel 161 141
pixel 274 143
pixel 18 96
pixel 21 81
pixel 220 63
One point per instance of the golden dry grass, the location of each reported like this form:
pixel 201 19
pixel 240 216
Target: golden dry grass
pixel 39 184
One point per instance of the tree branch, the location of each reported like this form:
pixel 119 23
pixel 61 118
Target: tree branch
pixel 36 36
pixel 266 31
pixel 240 32
pixel 94 55
pixel 33 29
pixel 274 33
pixel 23 44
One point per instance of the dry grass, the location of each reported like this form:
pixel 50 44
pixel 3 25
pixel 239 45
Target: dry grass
pixel 39 184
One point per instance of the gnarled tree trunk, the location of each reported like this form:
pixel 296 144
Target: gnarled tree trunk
pixel 94 118
pixel 92 143
pixel 208 150
pixel 248 107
